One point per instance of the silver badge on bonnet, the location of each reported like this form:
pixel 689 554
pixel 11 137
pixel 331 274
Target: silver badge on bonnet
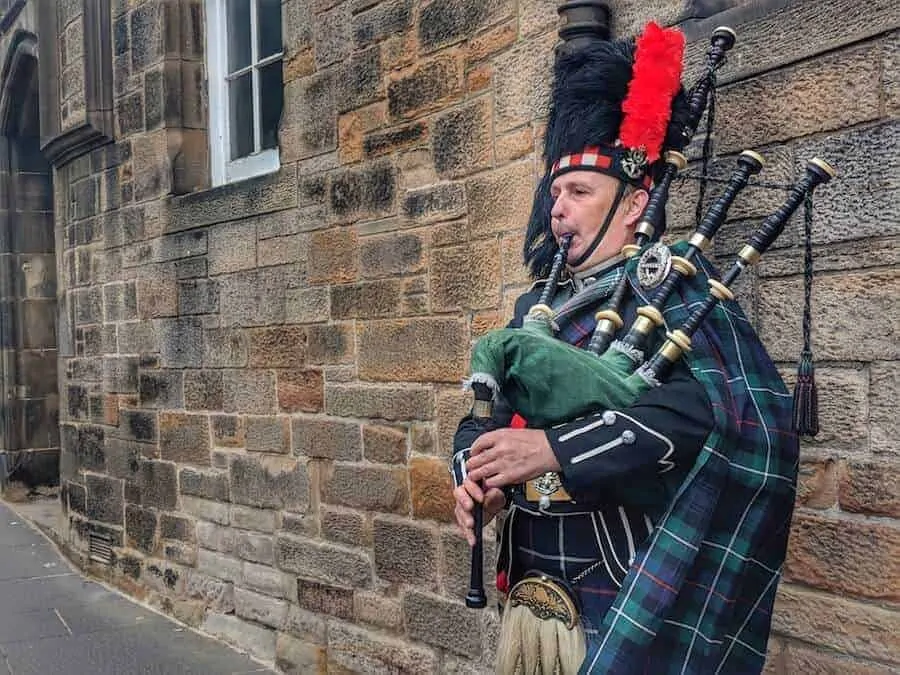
pixel 654 265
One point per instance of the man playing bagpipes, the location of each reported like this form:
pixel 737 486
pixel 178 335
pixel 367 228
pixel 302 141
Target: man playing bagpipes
pixel 645 535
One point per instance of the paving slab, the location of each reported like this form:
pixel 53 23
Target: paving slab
pixel 53 620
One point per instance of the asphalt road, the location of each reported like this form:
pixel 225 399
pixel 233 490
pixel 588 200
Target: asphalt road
pixel 53 621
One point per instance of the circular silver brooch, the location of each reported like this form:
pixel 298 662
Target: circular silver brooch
pixel 654 265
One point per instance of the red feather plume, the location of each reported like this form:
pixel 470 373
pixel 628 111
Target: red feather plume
pixel 656 77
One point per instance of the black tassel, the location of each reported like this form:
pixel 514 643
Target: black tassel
pixel 806 398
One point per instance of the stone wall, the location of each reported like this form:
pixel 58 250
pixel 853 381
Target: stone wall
pixel 260 381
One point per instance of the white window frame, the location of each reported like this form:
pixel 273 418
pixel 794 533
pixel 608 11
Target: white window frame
pixel 224 170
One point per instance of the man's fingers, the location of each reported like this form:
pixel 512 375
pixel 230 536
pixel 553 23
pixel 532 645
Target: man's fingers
pixel 482 443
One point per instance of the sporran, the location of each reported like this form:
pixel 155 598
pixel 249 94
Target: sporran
pixel 541 631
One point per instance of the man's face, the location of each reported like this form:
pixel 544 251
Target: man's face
pixel 581 200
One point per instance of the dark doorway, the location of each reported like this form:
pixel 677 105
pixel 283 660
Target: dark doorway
pixel 29 400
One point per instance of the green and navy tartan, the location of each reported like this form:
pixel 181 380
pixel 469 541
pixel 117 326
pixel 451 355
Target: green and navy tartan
pixel 699 596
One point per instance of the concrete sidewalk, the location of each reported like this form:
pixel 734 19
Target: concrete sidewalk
pixel 52 620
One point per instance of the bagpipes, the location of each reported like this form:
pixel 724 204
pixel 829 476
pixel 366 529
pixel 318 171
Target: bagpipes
pixel 548 381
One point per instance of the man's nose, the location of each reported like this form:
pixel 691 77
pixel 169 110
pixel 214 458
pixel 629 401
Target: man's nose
pixel 558 210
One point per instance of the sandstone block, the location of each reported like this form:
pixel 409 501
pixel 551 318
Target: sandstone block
pixel 384 445
pixel 308 127
pixel 442 623
pixel 461 142
pixel 217 512
pixel 264 579
pixel 431 488
pixel 367 300
pixel 219 566
pixel 385 402
pixel 307 305
pixel 884 385
pixel 452 404
pixel 393 140
pixel 405 552
pixel 393 254
pixel 366 487
pixel 249 391
pixel 359 80
pixel 300 391
pixel 456 561
pixel 871 488
pixel 365 192
pixel 216 537
pixel 268 434
pixel 514 144
pixel 333 256
pixel 269 482
pixel 356 650
pixel 217 595
pixel 377 610
pixel 849 208
pixel 466 277
pixel 159 485
pixel 256 639
pixel 412 350
pixel 227 431
pixel 444 22
pixel 255 298
pixel 282 250
pixel 332 36
pixel 345 527
pixel 259 520
pixel 296 656
pixel 842 624
pixel 161 389
pixel 522 75
pixel 444 201
pixel 184 438
pixel 327 438
pixel 817 484
pixel 137 425
pixel 842 408
pixel 198 296
pixel 841 306
pixel 203 390
pixel 323 562
pixel 120 374
pixel 325 598
pixel 809 100
pixel 799 659
pixel 181 343
pixel 277 347
pixel 500 200
pixel 330 343
pixel 424 86
pixel 381 21
pixel 140 528
pixel 208 484
pixel 105 499
pixel 225 348
pixel 844 556
pixel 177 528
pixel 255 548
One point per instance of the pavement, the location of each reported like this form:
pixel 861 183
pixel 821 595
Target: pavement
pixel 54 621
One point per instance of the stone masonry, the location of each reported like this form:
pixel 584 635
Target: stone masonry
pixel 259 382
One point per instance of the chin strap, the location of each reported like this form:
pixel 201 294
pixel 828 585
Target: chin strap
pixel 620 193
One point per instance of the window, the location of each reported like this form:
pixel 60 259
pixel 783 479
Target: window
pixel 244 58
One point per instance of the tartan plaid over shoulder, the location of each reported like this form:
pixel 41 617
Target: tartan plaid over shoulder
pixel 699 596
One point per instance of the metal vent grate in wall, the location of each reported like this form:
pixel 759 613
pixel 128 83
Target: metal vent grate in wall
pixel 100 548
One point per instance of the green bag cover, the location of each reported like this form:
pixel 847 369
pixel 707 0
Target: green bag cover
pixel 548 381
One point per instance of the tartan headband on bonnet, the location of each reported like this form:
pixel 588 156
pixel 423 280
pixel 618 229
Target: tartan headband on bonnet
pixel 615 107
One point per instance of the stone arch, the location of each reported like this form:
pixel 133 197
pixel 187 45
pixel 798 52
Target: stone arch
pixel 29 398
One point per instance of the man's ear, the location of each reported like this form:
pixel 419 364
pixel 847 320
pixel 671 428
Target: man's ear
pixel 637 202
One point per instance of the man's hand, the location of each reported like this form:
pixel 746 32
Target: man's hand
pixel 466 495
pixel 508 456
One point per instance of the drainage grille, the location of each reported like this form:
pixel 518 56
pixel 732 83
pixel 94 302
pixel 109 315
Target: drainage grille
pixel 100 548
